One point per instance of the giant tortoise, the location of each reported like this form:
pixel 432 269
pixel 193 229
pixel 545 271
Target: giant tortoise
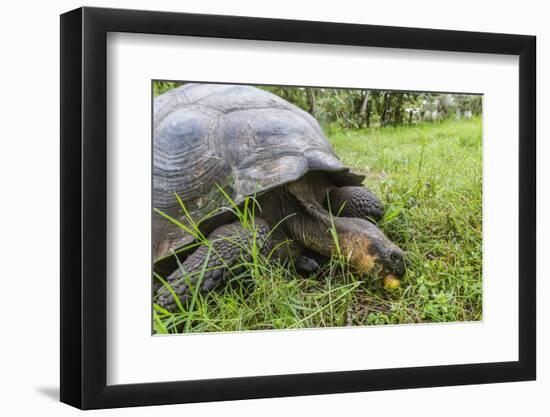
pixel 214 146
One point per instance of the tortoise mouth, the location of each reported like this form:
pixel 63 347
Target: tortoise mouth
pixel 377 257
pixel 397 273
pixel 394 266
pixel 380 264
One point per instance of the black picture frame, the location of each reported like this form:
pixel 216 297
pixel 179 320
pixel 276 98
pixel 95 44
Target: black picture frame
pixel 84 207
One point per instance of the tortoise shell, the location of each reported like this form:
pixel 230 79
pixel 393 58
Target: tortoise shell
pixel 240 138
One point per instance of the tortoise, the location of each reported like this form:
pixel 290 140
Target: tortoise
pixel 214 146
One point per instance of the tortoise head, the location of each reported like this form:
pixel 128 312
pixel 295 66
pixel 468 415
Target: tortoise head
pixel 362 242
pixel 369 249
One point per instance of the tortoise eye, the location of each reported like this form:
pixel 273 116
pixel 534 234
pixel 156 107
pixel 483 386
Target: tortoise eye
pixel 395 257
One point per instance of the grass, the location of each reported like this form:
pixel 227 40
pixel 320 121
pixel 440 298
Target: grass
pixel 429 177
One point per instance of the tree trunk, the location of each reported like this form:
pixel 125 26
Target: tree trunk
pixel 311 102
pixel 398 113
pixel 365 109
pixel 383 116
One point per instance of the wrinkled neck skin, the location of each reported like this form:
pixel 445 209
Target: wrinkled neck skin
pixel 295 219
pixel 311 227
pixel 309 224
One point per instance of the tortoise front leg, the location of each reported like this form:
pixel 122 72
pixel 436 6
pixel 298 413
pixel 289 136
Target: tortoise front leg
pixel 354 202
pixel 230 247
pixel 310 262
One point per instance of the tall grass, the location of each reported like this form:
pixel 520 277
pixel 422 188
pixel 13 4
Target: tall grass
pixel 429 177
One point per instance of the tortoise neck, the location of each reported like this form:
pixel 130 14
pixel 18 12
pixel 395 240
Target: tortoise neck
pixel 312 223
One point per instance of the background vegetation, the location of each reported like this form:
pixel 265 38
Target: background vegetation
pixel 354 109
pixel 422 155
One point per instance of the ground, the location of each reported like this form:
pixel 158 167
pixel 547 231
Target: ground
pixel 429 177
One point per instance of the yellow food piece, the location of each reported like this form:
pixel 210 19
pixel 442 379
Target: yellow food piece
pixel 391 283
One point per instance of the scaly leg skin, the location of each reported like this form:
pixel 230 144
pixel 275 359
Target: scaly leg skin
pixel 356 202
pixel 231 245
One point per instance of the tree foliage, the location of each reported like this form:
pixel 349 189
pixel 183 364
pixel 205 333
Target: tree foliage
pixel 354 108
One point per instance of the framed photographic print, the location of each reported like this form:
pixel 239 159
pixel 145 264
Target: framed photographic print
pixel 258 207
